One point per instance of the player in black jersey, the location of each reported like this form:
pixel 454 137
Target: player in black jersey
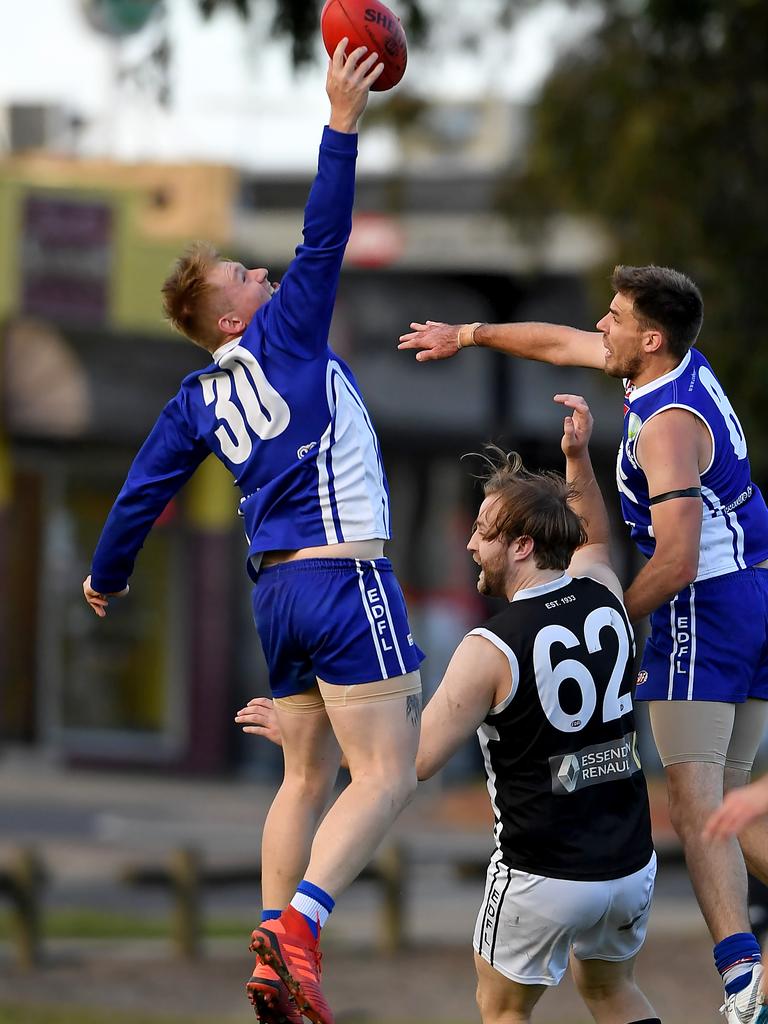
pixel 547 683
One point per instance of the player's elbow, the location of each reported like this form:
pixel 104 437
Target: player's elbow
pixel 425 768
pixel 688 566
pixel 680 568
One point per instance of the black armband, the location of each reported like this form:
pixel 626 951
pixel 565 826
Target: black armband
pixel 685 492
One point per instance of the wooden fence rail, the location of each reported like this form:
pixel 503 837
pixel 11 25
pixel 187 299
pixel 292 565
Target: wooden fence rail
pixel 22 878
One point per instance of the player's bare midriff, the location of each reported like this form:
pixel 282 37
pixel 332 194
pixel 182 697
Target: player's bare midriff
pixel 366 549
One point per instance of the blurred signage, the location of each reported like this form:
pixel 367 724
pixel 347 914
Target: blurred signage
pixel 45 385
pixel 65 258
pixel 376 241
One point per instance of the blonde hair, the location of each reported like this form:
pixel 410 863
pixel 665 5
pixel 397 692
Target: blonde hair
pixel 188 295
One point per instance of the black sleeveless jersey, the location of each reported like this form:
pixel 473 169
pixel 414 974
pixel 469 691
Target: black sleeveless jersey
pixel 565 780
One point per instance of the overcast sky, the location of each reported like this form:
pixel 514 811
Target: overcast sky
pixel 235 97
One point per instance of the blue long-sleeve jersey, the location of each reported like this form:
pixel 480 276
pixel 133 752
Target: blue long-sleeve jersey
pixel 276 406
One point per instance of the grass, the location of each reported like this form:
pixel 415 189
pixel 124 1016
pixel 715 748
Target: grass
pixel 14 1014
pixel 99 924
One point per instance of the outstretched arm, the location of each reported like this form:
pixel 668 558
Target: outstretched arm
pixel 548 343
pixel 593 558
pixel 167 459
pixel 298 316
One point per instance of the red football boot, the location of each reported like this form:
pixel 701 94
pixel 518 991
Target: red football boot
pixel 271 1000
pixel 288 946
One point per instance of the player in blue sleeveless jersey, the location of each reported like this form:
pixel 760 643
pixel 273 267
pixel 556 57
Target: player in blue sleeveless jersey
pixel 283 413
pixel 693 509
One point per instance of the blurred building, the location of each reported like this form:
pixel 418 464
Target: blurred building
pixel 87 364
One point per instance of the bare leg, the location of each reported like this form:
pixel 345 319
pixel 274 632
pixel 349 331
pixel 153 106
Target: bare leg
pixel 716 870
pixel 312 758
pixel 379 740
pixel 610 991
pixel 501 1000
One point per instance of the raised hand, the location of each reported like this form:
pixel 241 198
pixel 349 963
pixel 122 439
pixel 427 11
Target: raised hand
pixel 577 428
pixel 348 83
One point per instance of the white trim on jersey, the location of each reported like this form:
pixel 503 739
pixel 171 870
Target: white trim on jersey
pixel 323 486
pixel 688 408
pixel 222 350
pixel 392 630
pixel 374 467
pixel 354 504
pixel 722 539
pixel 485 733
pixel 621 477
pixel 543 588
pixel 369 616
pixel 734 521
pixel 659 382
pixel 514 666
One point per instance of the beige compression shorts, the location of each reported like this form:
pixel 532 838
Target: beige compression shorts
pixel 335 695
pixel 709 731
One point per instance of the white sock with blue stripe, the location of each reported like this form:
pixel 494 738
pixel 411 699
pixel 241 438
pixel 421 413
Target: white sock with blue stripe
pixel 314 904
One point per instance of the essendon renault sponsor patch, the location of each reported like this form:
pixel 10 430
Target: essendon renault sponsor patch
pixel 603 762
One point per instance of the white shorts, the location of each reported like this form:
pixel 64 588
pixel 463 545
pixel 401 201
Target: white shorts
pixel 528 924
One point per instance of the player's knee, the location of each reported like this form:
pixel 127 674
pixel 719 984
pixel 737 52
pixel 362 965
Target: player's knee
pixel 309 787
pixel 396 780
pixel 488 1007
pixel 496 1011
pixel 686 815
pixel 689 807
pixel 594 990
pixel 402 784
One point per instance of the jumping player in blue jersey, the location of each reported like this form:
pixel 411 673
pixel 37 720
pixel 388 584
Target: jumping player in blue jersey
pixel 694 511
pixel 283 413
pixel 572 875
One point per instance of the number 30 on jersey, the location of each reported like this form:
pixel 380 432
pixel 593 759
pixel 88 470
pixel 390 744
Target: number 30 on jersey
pixel 265 413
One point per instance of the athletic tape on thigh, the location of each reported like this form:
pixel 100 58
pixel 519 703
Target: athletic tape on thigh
pixel 308 702
pixel 336 695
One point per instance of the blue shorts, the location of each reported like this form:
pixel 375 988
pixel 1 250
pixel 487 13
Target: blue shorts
pixel 710 642
pixel 340 619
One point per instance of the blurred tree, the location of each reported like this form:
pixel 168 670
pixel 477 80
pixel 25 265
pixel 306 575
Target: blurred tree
pixel 657 125
pixel 298 19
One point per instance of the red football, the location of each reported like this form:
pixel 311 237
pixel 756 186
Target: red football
pixel 367 23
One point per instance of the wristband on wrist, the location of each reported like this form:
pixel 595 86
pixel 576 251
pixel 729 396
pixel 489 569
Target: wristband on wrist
pixel 466 335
